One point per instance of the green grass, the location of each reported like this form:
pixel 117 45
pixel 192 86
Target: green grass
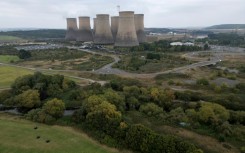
pixel 9 38
pixel 18 136
pixel 95 62
pixel 137 63
pixel 8 58
pixel 8 74
pixel 172 76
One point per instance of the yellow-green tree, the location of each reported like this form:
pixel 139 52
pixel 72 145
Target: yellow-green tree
pixel 115 99
pixel 104 117
pixel 54 107
pixel 28 99
pixel 212 113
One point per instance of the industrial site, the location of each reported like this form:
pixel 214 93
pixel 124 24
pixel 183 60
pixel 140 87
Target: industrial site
pixel 125 30
pixel 89 77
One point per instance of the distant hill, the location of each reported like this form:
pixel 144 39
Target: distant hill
pixel 157 30
pixel 227 26
pixel 37 34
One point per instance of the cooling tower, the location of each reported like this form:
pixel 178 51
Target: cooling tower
pixel 94 25
pixel 103 31
pixel 84 33
pixel 139 27
pixel 71 33
pixel 114 26
pixel 126 34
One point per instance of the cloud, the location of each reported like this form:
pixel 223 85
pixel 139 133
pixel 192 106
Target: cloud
pixel 158 13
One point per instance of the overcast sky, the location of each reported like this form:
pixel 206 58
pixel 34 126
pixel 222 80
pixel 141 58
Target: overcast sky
pixel 158 13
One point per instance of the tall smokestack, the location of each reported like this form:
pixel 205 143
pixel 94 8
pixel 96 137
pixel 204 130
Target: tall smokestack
pixel 71 33
pixel 114 26
pixel 139 26
pixel 103 33
pixel 126 34
pixel 84 32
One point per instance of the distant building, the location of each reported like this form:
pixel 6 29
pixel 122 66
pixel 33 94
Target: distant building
pixel 188 44
pixel 182 44
pixel 176 44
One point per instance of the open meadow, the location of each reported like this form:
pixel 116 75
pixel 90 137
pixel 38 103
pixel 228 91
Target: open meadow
pixel 8 58
pixel 5 38
pixel 19 136
pixel 8 74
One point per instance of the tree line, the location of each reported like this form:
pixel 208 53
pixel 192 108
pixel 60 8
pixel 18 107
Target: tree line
pixel 102 110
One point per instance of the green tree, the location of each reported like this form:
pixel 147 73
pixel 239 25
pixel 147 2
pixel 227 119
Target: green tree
pixel 91 103
pixel 22 83
pixel 4 95
pixel 23 54
pixel 206 47
pixel 116 99
pixel 212 113
pixel 54 107
pixel 54 90
pixel 163 98
pixel 151 109
pixel 28 99
pixel 104 117
pixel 140 138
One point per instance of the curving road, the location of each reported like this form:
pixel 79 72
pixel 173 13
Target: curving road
pixel 107 69
pixel 217 57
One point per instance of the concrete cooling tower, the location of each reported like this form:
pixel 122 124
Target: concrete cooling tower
pixel 103 33
pixel 139 27
pixel 114 26
pixel 126 34
pixel 84 32
pixel 94 25
pixel 71 33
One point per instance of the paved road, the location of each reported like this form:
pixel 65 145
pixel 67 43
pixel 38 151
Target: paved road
pixel 217 56
pixel 107 69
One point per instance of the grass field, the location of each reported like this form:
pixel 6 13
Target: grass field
pixel 8 58
pixel 8 74
pixel 138 63
pixel 5 38
pixel 18 136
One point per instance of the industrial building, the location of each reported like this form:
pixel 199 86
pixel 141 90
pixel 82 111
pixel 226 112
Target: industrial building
pixel 103 35
pixel 71 33
pixel 125 30
pixel 84 32
pixel 126 34
pixel 114 26
pixel 139 26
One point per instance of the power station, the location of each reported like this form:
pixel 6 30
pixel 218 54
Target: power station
pixel 139 27
pixel 84 32
pixel 71 33
pixel 126 34
pixel 103 35
pixel 125 30
pixel 114 26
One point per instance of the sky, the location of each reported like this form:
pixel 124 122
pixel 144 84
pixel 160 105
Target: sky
pixel 158 13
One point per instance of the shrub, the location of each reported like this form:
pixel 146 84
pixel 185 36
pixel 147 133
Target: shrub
pixel 39 115
pixel 153 56
pixel 202 81
pixel 141 139
pixel 151 109
pixel 54 107
pixel 171 82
